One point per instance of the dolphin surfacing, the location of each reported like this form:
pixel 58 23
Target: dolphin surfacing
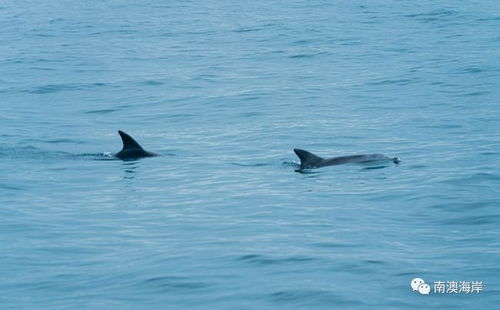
pixel 131 149
pixel 310 161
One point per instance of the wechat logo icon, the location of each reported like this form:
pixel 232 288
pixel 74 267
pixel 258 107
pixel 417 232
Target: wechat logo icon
pixel 419 285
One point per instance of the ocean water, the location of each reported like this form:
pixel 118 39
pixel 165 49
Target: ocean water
pixel 224 90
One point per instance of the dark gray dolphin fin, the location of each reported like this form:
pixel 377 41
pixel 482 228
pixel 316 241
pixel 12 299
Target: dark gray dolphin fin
pixel 128 142
pixel 307 159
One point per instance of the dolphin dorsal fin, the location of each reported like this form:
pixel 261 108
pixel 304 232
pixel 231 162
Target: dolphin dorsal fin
pixel 128 142
pixel 307 159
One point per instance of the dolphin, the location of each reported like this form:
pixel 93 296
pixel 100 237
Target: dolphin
pixel 310 161
pixel 131 149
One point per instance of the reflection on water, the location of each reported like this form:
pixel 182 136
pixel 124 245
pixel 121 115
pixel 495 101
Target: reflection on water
pixel 129 167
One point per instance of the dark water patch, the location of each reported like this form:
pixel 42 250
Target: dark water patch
pixel 333 245
pixel 253 96
pixel 115 31
pixel 400 82
pixel 246 29
pixel 50 141
pixel 441 126
pixel 174 284
pixel 488 19
pixel 311 297
pixel 472 220
pixel 471 70
pixel 488 153
pixel 443 84
pixel 31 152
pixel 250 114
pixel 418 166
pixel 54 88
pixel 433 15
pixel 8 90
pixel 34 153
pixel 42 68
pixel 61 141
pixel 151 83
pixel 476 240
pixel 56 20
pixel 201 32
pixel 374 262
pixel 461 206
pixel 401 50
pixel 251 165
pixel 109 110
pixel 205 77
pixel 486 270
pixel 10 187
pixel 63 250
pixel 375 167
pixel 350 42
pixel 475 179
pixel 306 56
pixel 407 274
pixel 161 153
pixel 476 93
pixel 176 116
pixel 48 60
pixel 250 98
pixel 39 35
pixel 256 259
pixel 302 42
pixel 358 267
pixel 103 111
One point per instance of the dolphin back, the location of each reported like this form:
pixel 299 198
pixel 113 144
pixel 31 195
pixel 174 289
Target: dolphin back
pixel 307 159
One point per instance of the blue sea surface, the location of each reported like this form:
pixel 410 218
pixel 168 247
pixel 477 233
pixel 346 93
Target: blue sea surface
pixel 224 90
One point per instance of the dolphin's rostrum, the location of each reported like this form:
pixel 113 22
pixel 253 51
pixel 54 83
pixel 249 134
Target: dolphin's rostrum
pixel 309 160
pixel 131 149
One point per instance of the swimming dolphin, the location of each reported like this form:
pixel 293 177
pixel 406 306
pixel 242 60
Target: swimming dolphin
pixel 309 160
pixel 131 149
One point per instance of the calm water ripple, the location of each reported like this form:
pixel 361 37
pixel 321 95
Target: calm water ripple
pixel 224 91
